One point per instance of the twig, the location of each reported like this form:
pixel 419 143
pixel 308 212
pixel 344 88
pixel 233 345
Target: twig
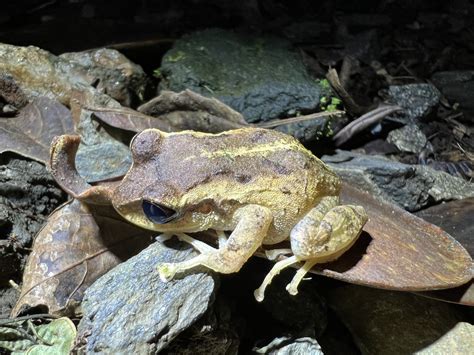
pixel 351 106
pixel 362 123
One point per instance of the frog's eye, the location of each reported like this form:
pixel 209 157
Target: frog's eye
pixel 158 214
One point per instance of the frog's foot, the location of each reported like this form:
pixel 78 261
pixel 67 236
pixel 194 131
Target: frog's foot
pixel 167 271
pixel 259 293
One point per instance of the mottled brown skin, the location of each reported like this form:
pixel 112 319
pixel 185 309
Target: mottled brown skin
pixel 262 185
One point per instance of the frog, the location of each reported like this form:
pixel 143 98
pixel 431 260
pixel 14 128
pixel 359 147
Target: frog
pixel 253 187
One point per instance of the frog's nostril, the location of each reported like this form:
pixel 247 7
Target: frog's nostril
pixel 157 213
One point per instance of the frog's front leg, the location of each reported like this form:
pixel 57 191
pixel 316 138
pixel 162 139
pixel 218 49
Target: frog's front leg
pixel 252 226
pixel 324 234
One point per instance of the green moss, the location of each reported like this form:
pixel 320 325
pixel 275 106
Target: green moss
pixel 174 57
pixel 157 73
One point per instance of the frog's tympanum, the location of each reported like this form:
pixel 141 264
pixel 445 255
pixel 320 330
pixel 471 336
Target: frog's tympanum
pixel 261 185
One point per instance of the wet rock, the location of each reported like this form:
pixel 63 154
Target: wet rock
pixel 417 100
pixel 410 186
pixel 459 340
pixel 409 139
pixel 386 322
pixel 129 310
pixel 457 86
pixel 28 194
pixel 288 346
pixel 114 74
pixel 267 81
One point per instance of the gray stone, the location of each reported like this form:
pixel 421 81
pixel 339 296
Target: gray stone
pixel 410 186
pixel 387 322
pixel 457 86
pixel 260 77
pixel 288 346
pixel 459 340
pixel 131 311
pixel 417 100
pixel 117 76
pixel 409 139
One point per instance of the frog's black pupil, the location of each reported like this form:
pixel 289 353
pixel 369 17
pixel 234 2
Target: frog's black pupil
pixel 157 214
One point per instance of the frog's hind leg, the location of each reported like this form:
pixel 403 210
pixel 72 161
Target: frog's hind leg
pixel 324 234
pixel 253 222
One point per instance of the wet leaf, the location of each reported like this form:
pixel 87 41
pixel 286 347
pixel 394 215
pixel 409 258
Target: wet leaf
pixel 78 244
pixel 55 338
pixel 31 132
pixel 398 251
pixel 188 110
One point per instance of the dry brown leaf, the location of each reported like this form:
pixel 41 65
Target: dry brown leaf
pixel 31 132
pixel 188 110
pixel 78 244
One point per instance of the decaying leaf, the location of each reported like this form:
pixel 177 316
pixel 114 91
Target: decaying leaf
pixel 188 110
pixel 130 120
pixel 398 251
pixel 23 337
pixel 31 132
pixel 78 244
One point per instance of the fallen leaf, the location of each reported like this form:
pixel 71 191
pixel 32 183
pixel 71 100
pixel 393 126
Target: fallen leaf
pixel 31 132
pixel 188 110
pixel 398 251
pixel 54 338
pixel 78 244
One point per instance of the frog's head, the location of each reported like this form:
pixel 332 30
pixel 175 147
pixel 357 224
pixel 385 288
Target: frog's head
pixel 144 197
pixel 151 195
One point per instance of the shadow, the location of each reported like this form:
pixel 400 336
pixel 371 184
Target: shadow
pixel 350 258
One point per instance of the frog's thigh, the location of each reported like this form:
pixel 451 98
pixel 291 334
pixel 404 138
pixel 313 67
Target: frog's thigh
pixel 336 233
pixel 251 229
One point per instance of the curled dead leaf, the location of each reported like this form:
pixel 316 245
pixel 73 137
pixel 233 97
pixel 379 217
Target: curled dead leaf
pixel 78 244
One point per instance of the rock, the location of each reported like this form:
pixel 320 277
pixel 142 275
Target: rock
pixel 28 194
pixel 288 346
pixel 267 81
pixel 387 322
pixel 130 310
pixel 417 100
pixel 40 73
pixel 410 186
pixel 409 139
pixel 458 87
pixel 117 76
pixel 459 340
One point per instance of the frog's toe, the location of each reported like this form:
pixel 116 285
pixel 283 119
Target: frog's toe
pixel 292 287
pixel 167 271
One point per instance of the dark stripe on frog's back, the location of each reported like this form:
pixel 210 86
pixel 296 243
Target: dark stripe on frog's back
pixel 183 163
